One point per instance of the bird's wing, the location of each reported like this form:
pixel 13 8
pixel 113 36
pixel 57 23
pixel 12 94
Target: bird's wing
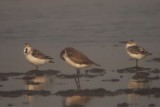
pixel 137 50
pixel 79 57
pixel 38 54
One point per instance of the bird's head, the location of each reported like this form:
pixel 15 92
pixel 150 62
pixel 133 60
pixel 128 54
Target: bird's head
pixel 131 43
pixel 27 48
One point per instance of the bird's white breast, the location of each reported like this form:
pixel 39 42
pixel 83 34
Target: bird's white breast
pixel 73 64
pixel 36 61
pixel 136 56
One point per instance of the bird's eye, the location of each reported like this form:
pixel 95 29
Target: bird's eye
pixel 26 50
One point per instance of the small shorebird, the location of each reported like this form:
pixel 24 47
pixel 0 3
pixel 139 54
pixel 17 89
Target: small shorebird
pixel 135 51
pixel 76 59
pixel 35 56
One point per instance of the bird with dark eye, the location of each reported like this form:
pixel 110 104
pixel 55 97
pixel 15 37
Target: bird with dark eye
pixel 26 50
pixel 76 59
pixel 36 57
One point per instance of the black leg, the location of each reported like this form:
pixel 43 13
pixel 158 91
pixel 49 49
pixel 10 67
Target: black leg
pixel 78 72
pixel 77 80
pixel 136 62
pixel 37 68
pixel 86 72
pixel 77 83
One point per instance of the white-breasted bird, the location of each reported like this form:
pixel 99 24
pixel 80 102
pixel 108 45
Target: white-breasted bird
pixel 136 52
pixel 36 57
pixel 76 59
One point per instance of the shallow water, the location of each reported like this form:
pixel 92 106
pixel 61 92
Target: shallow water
pixel 95 27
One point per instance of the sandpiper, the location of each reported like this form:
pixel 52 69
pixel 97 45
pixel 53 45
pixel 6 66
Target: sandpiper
pixel 35 56
pixel 135 51
pixel 76 59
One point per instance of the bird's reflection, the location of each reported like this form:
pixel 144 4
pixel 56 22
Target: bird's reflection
pixel 134 99
pixel 76 100
pixel 37 83
pixel 77 82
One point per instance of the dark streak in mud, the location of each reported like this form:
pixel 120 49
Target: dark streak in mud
pixel 32 83
pixel 145 76
pixel 70 76
pixel 155 59
pixel 87 92
pixel 112 80
pixel 91 73
pixel 151 105
pixel 19 93
pixel 123 105
pixel 11 74
pixel 141 75
pixel 146 91
pixel 115 45
pixel 5 76
pixel 41 73
pixel 102 92
pixel 10 105
pixel 155 71
pixel 132 69
pixel 28 75
pixel 96 71
pixel 123 42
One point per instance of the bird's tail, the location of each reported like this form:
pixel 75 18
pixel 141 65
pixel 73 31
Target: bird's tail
pixel 149 53
pixel 51 61
pixel 96 64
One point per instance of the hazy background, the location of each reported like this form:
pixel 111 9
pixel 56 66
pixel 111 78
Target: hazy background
pixel 51 25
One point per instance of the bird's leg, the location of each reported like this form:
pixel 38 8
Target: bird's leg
pixel 86 72
pixel 78 72
pixel 136 62
pixel 37 68
pixel 77 80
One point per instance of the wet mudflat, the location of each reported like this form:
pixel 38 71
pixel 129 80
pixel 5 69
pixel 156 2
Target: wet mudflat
pixel 139 85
